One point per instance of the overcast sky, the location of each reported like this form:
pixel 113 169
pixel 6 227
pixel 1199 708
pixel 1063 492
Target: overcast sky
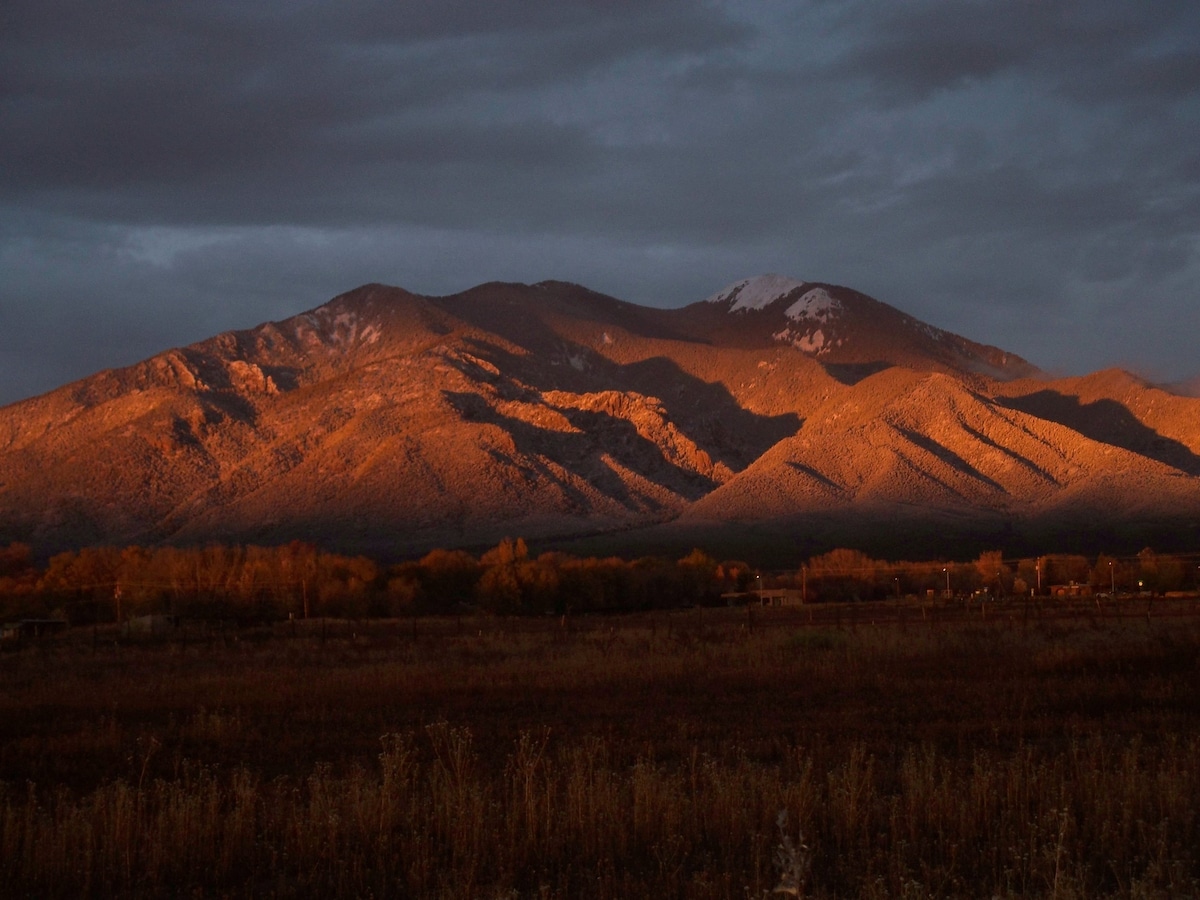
pixel 1024 173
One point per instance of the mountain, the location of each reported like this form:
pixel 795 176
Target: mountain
pixel 852 334
pixel 775 416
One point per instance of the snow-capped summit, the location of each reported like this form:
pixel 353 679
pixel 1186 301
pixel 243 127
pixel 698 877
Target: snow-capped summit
pixel 758 292
pixel 815 304
pixel 809 307
pixel 840 327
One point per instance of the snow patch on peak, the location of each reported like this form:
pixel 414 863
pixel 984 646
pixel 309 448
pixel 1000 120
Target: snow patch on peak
pixel 816 304
pixel 333 325
pixel 756 293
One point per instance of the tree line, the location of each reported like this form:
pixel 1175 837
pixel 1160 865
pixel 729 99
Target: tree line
pixel 851 575
pixel 298 580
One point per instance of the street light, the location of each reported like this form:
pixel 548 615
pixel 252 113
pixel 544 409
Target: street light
pixel 1112 580
pixel 946 569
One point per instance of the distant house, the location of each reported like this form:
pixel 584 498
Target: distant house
pixel 772 597
pixel 1070 590
pixel 780 597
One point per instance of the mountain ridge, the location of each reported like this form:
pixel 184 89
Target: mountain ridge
pixel 392 422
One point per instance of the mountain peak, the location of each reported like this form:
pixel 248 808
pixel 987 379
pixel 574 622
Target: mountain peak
pixel 843 327
pixel 758 292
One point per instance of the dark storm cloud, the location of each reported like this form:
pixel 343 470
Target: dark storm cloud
pixel 175 169
pixel 200 100
pixel 1083 48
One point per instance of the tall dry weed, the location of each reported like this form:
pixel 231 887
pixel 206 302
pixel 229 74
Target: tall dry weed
pixel 936 766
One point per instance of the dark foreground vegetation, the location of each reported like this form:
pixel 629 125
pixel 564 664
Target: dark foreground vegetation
pixel 906 748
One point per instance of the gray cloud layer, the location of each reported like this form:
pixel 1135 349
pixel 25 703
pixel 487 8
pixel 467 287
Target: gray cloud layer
pixel 1023 173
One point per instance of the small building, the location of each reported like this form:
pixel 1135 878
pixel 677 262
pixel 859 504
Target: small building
pixel 1070 590
pixel 780 597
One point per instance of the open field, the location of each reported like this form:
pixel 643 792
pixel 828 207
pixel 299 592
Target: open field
pixel 1003 749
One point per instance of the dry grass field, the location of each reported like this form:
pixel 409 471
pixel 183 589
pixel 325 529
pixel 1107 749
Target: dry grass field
pixel 873 750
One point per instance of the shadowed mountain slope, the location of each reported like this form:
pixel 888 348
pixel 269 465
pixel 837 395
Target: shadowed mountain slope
pixel 389 422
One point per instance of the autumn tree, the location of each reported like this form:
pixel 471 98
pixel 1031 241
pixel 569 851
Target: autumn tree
pixel 499 587
pixel 698 577
pixel 593 584
pixel 345 584
pixel 735 575
pixel 448 579
pixel 85 584
pixel 993 574
pixel 1065 569
pixel 1028 574
pixel 405 594
pixel 843 574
